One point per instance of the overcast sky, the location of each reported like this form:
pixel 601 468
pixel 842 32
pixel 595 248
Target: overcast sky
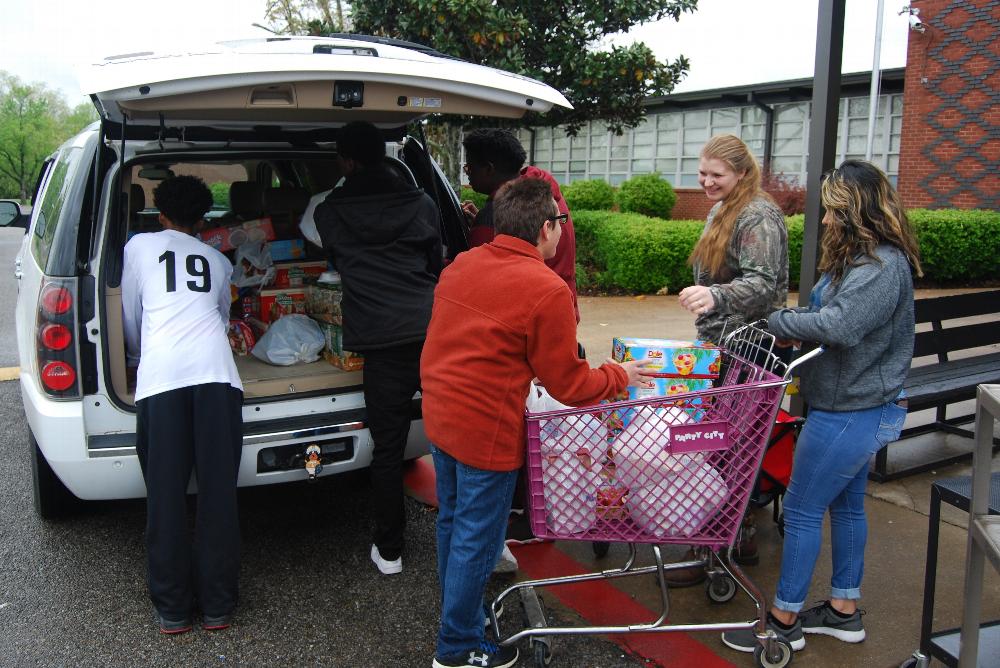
pixel 729 42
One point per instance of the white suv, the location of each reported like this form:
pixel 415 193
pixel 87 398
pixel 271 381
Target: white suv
pixel 256 119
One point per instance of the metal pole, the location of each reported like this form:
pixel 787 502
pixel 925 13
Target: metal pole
pixel 768 132
pixel 822 140
pixel 822 131
pixel 876 81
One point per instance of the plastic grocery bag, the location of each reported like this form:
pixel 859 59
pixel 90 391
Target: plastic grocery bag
pixel 253 265
pixel 680 505
pixel 289 340
pixel 641 454
pixel 570 479
pixel 569 432
pixel 572 449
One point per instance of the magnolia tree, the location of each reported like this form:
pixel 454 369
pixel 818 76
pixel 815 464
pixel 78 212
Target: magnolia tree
pixel 34 120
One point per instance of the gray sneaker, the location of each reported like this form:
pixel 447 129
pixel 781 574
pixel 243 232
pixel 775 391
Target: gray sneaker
pixel 744 640
pixel 822 619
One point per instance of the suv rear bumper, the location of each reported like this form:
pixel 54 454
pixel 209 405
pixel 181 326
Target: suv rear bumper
pixel 105 466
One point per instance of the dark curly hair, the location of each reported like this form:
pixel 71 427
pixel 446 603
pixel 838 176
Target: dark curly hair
pixel 496 145
pixel 183 199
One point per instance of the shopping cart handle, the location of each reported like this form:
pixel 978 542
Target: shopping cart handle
pixel 802 359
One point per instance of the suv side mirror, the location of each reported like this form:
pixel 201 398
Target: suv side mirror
pixel 11 216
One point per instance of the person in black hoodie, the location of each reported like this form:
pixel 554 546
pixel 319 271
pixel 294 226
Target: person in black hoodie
pixel 383 236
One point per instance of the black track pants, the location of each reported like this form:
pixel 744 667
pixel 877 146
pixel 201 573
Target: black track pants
pixel 201 428
pixel 392 377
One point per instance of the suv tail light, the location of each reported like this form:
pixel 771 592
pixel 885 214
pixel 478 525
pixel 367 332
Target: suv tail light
pixel 56 348
pixel 56 300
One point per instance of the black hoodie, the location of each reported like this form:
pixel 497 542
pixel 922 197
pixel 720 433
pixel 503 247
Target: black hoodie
pixel 383 236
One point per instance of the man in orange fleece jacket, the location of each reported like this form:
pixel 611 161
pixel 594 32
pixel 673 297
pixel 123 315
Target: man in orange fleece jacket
pixel 500 318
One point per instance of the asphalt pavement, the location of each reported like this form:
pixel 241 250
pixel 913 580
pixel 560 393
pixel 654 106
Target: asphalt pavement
pixel 73 593
pixel 10 242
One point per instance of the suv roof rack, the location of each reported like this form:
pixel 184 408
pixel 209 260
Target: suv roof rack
pixel 391 41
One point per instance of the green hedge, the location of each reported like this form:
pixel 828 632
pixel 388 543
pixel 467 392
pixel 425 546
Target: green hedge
pixel 593 195
pixel 957 244
pixel 220 194
pixel 648 194
pixel 469 194
pixel 633 252
pixel 639 254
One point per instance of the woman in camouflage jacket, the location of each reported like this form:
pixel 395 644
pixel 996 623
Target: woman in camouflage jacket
pixel 741 260
pixel 740 270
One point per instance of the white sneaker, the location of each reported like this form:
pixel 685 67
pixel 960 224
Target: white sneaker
pixel 387 567
pixel 507 562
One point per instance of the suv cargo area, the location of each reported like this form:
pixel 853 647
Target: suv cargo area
pixel 253 192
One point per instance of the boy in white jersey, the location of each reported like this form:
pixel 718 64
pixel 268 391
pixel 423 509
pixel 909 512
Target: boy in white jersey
pixel 188 398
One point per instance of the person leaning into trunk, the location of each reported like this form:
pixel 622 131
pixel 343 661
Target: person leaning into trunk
pixel 189 402
pixel 383 236
pixel 501 318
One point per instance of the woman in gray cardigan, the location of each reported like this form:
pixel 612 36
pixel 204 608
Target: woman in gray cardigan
pixel 861 310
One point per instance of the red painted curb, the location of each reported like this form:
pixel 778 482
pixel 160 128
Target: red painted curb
pixel 602 604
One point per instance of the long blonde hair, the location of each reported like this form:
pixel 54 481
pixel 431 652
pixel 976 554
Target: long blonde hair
pixel 710 251
pixel 866 211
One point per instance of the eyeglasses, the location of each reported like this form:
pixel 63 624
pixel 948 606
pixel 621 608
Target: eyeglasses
pixel 468 167
pixel 561 218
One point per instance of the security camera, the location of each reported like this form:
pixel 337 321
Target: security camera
pixel 915 22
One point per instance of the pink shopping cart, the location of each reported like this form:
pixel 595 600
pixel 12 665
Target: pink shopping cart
pixel 677 469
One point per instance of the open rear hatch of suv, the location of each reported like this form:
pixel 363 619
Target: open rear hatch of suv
pixel 304 83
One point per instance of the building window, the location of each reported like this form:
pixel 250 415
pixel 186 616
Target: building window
pixel 669 142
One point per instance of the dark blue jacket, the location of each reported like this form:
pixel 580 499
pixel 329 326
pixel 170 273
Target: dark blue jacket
pixel 383 236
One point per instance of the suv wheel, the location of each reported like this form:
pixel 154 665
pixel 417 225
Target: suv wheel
pixel 51 498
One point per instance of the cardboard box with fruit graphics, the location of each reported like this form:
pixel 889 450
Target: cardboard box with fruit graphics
pixel 678 367
pixel 669 358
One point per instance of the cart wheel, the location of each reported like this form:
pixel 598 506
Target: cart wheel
pixel 909 663
pixel 542 653
pixel 600 548
pixel 720 588
pixel 783 658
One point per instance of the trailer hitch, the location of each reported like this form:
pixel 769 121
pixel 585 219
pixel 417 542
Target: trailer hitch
pixel 313 463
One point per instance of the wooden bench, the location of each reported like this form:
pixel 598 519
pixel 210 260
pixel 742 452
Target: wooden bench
pixel 948 378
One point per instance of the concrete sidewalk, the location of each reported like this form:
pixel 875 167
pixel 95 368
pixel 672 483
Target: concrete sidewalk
pixel 898 523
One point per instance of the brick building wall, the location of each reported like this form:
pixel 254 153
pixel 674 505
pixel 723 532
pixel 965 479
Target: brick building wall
pixel 691 204
pixel 950 146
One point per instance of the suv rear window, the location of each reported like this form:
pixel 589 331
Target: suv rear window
pixel 58 217
pixel 218 176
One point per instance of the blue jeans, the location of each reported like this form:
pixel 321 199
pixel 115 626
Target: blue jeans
pixel 830 472
pixel 473 507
